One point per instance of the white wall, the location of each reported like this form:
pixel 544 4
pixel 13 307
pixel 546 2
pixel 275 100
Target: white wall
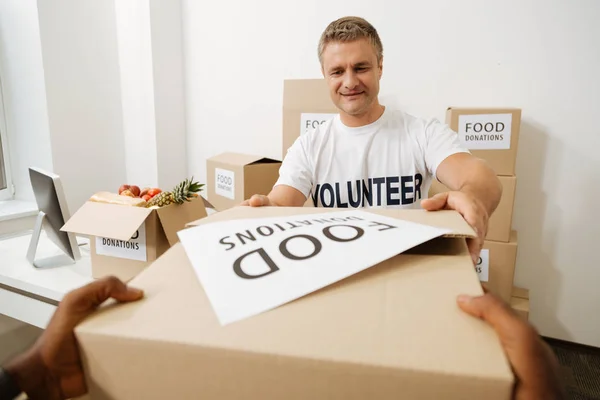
pixel 79 48
pixel 541 56
pixel 22 75
pixel 137 91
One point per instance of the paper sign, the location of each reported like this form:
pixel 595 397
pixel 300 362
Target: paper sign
pixel 485 131
pixel 134 249
pixel 225 183
pixel 250 266
pixel 483 265
pixel 311 121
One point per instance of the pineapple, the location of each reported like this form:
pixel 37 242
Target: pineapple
pixel 184 191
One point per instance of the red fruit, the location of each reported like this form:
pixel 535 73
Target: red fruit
pixel 146 197
pixel 154 191
pixel 123 187
pixel 135 190
pixel 144 191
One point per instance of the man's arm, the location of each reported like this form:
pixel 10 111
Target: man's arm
pixel 468 174
pixel 52 369
pixel 475 192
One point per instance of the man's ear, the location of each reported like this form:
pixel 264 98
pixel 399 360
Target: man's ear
pixel 380 67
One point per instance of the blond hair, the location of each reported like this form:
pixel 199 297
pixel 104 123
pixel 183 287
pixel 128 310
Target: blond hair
pixel 349 29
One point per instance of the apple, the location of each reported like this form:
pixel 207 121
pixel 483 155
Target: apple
pixel 154 191
pixel 135 190
pixel 123 187
pixel 146 197
pixel 144 191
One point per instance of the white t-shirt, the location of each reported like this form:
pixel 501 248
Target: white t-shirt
pixel 389 163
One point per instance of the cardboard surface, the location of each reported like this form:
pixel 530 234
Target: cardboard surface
pixel 502 262
pixel 376 334
pixel 520 302
pixel 302 96
pixel 500 223
pixel 503 161
pixel 235 177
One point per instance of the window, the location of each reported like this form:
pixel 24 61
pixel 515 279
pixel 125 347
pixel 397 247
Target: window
pixel 6 189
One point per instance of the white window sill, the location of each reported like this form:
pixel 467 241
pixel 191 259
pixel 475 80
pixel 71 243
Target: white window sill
pixel 13 209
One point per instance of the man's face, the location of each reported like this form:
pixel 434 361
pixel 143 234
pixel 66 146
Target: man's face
pixel 353 75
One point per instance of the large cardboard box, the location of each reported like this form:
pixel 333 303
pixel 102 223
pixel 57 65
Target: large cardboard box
pixel 392 331
pixel 306 104
pixel 489 133
pixel 496 266
pixel 235 177
pixel 500 223
pixel 520 302
pixel 124 240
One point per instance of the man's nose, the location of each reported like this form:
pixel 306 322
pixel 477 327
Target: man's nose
pixel 350 80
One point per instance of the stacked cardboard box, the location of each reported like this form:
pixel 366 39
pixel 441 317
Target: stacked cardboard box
pixel 233 178
pixel 493 135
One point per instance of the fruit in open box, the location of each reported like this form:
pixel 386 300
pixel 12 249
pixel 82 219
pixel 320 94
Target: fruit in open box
pixel 184 191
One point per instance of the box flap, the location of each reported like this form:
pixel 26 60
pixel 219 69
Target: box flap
pixel 442 219
pixel 107 220
pixel 174 217
pixel 237 159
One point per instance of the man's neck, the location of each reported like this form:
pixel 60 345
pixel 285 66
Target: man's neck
pixel 370 116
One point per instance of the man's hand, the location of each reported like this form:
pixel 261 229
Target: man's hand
pixel 258 200
pixel 52 368
pixel 532 361
pixel 280 196
pixel 472 211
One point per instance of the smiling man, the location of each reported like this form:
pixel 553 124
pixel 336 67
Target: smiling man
pixel 372 156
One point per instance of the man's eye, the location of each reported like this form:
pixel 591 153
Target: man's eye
pixel 336 73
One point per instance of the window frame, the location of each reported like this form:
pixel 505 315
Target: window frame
pixel 8 193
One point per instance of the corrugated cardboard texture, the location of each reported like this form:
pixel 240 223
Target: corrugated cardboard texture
pixel 107 220
pixel 502 161
pixel 302 96
pixel 502 258
pixel 174 217
pixel 124 269
pixel 252 175
pixel 260 178
pixel 500 223
pixel 520 302
pixel 392 331
pixel 520 293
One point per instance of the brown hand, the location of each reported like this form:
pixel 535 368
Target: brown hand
pixel 472 211
pixel 52 368
pixel 533 363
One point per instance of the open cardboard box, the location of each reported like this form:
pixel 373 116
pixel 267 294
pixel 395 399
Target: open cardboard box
pixel 125 239
pixel 392 331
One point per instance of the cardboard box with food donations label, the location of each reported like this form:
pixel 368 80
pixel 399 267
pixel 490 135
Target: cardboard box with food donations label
pixel 306 104
pixel 235 177
pixel 373 335
pixel 126 239
pixel 496 266
pixel 500 223
pixel 489 133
